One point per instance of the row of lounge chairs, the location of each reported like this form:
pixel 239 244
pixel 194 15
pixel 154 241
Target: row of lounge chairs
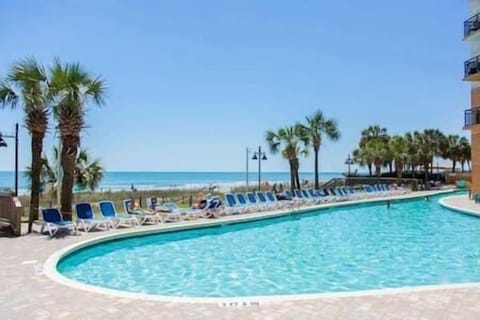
pixel 237 203
pixel 251 202
pixel 110 218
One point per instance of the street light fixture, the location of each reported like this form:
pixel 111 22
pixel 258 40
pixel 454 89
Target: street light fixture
pixel 349 161
pixel 3 144
pixel 259 155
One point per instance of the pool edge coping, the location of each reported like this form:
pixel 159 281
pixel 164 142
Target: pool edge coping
pixel 50 265
pixel 466 211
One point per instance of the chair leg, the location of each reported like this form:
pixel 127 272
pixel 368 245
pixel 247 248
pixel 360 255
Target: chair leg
pixel 49 229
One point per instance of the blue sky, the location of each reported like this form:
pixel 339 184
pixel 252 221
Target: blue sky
pixel 192 83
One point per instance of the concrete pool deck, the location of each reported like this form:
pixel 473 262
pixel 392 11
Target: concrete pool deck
pixel 461 204
pixel 27 293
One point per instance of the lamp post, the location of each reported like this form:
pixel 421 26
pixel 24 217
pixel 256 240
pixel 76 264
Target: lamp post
pixel 3 143
pixel 348 162
pixel 259 155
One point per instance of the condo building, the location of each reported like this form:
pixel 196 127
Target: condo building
pixel 472 75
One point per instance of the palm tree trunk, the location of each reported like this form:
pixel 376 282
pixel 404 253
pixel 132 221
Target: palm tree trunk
pixel 462 164
pixel 69 154
pixel 454 164
pixel 317 184
pixel 425 169
pixel 370 169
pixel 378 170
pixel 297 178
pixel 292 175
pixel 390 170
pixel 398 168
pixel 37 147
pixel 296 169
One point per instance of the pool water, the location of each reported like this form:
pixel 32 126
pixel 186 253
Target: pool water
pixel 344 249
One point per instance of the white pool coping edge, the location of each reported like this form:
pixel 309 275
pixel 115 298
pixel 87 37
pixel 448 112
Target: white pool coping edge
pixel 469 212
pixel 50 265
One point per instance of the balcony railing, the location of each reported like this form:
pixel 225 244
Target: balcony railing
pixel 472 69
pixel 471 25
pixel 472 117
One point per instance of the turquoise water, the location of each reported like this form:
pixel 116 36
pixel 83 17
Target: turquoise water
pixel 155 180
pixel 345 249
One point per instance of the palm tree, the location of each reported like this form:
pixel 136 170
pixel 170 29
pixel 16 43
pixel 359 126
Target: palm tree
pixel 465 152
pixel 452 150
pixel 287 142
pixel 48 176
pixel 72 88
pixel 426 151
pixel 439 143
pixel 362 158
pixel 88 173
pixel 26 84
pixel 397 148
pixel 377 152
pixel 411 148
pixel 373 132
pixel 311 133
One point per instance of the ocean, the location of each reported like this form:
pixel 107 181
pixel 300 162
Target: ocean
pixel 116 180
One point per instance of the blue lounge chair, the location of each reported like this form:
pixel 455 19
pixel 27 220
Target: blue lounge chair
pixel 322 197
pixel 108 211
pixel 306 195
pixel 299 197
pixel 255 203
pixel 357 195
pixel 368 191
pixel 86 218
pixel 53 221
pixel 233 207
pixel 243 202
pixel 295 200
pixel 281 204
pixel 371 192
pixel 214 208
pixel 341 192
pixel 378 188
pixel 333 195
pixel 264 200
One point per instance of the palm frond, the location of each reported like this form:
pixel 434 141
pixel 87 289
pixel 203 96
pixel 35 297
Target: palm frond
pixel 8 97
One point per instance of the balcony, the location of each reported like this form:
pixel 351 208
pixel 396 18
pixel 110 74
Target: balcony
pixel 472 117
pixel 471 25
pixel 472 69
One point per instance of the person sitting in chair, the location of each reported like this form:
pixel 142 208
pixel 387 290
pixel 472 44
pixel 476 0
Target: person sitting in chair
pixel 201 202
pixel 136 208
pixel 215 206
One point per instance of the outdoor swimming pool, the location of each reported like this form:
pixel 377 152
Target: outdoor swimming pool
pixel 340 249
